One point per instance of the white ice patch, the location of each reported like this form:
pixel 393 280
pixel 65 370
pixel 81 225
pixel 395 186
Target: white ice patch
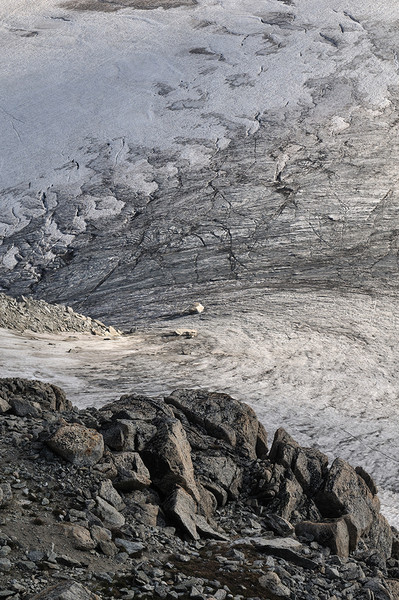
pixel 338 124
pixel 9 261
pixel 100 207
pixel 138 176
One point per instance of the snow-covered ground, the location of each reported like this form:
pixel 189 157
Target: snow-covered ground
pixel 185 80
pixel 101 112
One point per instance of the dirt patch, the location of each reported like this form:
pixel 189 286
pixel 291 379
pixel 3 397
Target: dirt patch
pixel 113 6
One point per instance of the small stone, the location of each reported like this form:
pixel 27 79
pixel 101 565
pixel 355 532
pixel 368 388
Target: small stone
pixel 5 564
pixel 132 548
pixel 197 307
pixel 186 333
pixel 4 406
pixel 36 555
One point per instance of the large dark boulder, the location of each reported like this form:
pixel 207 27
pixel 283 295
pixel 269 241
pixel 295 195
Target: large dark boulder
pixel 308 464
pixel 22 393
pixel 223 418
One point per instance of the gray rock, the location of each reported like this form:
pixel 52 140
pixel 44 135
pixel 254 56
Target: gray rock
pixel 286 548
pixel 168 457
pixel 206 530
pixel 67 590
pixel 181 507
pixel 47 395
pixel 24 408
pixel 109 493
pixel 132 474
pixel 222 470
pixel 121 435
pixel 79 536
pixel 280 526
pixel 346 492
pixel 131 548
pixel 308 465
pixel 271 582
pixel 135 407
pixel 223 418
pixel 78 444
pixel 6 494
pixel 5 564
pixel 333 534
pixel 379 591
pixel 111 518
pixel 4 406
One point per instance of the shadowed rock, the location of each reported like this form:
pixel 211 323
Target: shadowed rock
pixel 47 395
pixel 224 418
pixel 333 534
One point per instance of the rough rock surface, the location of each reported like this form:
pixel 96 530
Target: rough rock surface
pixel 40 316
pixel 66 591
pixel 223 418
pixel 46 395
pixel 207 524
pixel 78 444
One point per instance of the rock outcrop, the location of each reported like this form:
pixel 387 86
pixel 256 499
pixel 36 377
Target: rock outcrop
pixel 144 477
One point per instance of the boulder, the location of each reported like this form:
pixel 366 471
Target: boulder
pixel 111 518
pixel 223 418
pixel 132 474
pixel 103 539
pixel 378 590
pixel 109 493
pixel 271 582
pixel 135 407
pixel 289 501
pixel 181 508
pixel 205 529
pixel 308 464
pixel 131 548
pixel 168 458
pixel 285 548
pixel 21 407
pixel 100 534
pixel 216 490
pixel 350 493
pixel 222 470
pixel 67 590
pixel 332 534
pixel 278 525
pixel 79 536
pixel 120 435
pixel 78 444
pixel 47 395
pixel 380 536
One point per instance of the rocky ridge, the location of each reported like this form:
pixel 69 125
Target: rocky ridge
pixel 179 497
pixel 41 317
